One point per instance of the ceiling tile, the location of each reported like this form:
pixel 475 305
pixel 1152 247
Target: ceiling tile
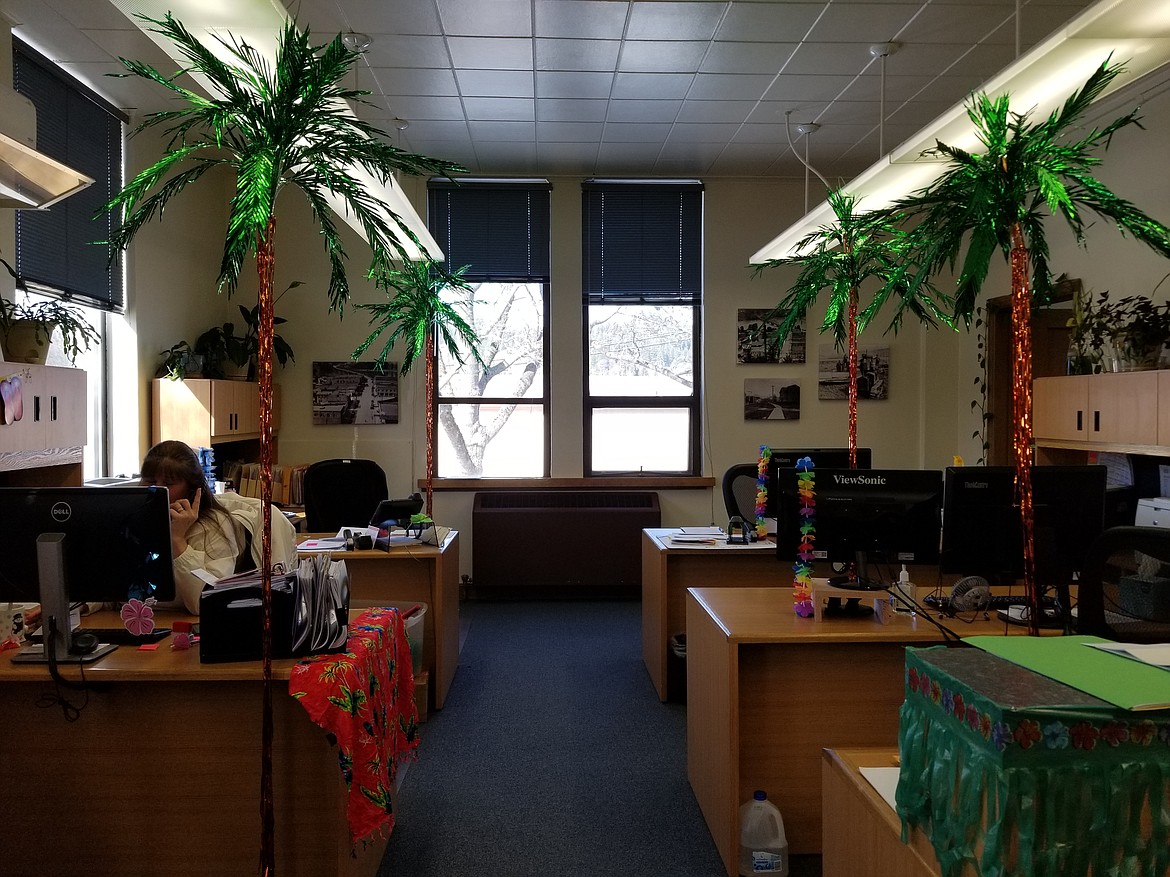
pixel 509 131
pixel 562 54
pixel 491 53
pixel 396 50
pixel 664 56
pixel 569 132
pixel 570 110
pixel 487 83
pixel 579 85
pixel 378 16
pixel 503 109
pixel 414 107
pixel 643 110
pixel 674 21
pixel 729 86
pixel 819 59
pixel 766 58
pixel 488 18
pixel 641 132
pixel 769 22
pixel 863 22
pixel 409 80
pixel 652 86
pixel 581 19
pixel 716 110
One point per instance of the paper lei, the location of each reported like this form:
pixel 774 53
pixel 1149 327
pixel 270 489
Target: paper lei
pixel 762 491
pixel 802 584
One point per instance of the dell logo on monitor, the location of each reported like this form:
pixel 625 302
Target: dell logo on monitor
pixel 860 479
pixel 61 512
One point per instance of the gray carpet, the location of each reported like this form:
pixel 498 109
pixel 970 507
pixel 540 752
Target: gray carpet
pixel 552 755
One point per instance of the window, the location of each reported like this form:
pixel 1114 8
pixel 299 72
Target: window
pixel 643 269
pixel 56 253
pixel 492 419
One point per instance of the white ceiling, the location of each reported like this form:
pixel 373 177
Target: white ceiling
pixel 621 87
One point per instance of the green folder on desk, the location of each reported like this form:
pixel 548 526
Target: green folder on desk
pixel 1115 679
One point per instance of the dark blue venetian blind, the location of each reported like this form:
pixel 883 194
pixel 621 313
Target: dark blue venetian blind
pixel 56 248
pixel 643 242
pixel 500 229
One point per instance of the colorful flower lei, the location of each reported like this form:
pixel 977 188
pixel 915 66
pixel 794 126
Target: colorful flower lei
pixel 802 584
pixel 762 491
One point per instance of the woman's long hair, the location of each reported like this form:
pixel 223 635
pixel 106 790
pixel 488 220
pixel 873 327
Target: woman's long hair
pixel 171 461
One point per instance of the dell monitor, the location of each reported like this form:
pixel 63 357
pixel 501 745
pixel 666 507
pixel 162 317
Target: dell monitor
pixel 889 516
pixel 66 545
pixel 783 502
pixel 982 530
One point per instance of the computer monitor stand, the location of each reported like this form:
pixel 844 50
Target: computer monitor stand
pixel 57 633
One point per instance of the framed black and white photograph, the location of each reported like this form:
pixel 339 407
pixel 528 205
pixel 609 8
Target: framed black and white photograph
pixel 771 399
pixel 354 393
pixel 873 372
pixel 755 338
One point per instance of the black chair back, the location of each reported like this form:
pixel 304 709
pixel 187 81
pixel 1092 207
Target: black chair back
pixel 1124 590
pixel 739 491
pixel 342 493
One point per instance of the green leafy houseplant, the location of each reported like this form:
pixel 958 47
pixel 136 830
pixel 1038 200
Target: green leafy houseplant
pixel 276 125
pixel 1123 335
pixel 220 345
pixel 28 329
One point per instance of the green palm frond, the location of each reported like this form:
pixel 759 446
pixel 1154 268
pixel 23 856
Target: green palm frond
pixel 1028 169
pixel 856 249
pixel 415 311
pixel 275 124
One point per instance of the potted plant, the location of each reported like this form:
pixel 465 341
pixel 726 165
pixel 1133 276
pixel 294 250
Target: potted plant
pixel 1124 335
pixel 27 329
pixel 220 345
pixel 180 361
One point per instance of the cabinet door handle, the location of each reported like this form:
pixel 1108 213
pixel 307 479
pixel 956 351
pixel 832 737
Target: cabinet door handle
pixel 53 408
pixel 1096 421
pixel 1080 421
pixel 36 409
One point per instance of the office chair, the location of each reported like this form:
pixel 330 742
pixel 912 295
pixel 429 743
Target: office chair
pixel 342 493
pixel 739 491
pixel 1124 591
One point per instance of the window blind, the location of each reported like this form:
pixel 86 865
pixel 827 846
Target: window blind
pixel 500 229
pixel 55 248
pixel 643 242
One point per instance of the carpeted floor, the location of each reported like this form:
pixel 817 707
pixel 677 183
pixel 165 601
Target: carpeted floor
pixel 553 755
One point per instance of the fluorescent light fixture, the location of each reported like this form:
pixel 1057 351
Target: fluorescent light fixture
pixel 30 179
pixel 1136 32
pixel 259 23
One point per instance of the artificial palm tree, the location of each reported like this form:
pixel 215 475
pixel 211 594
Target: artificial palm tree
pixel 421 319
pixel 275 125
pixel 998 201
pixel 840 257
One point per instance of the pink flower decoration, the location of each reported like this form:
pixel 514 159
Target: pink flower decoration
pixel 138 617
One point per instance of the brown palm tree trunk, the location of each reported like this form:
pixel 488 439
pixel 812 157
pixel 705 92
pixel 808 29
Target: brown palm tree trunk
pixel 853 378
pixel 1022 408
pixel 430 404
pixel 265 257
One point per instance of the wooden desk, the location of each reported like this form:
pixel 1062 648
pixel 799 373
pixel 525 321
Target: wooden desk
pixel 767 691
pixel 862 835
pixel 668 570
pixel 421 574
pixel 160 774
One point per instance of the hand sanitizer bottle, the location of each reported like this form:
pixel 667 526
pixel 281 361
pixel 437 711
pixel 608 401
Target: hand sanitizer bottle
pixel 904 592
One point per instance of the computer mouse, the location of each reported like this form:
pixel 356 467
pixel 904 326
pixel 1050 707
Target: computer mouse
pixel 84 643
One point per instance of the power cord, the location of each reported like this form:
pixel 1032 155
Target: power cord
pixel 56 698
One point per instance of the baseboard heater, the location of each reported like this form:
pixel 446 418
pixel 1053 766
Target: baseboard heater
pixel 559 543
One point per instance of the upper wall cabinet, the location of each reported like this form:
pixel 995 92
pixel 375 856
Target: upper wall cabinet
pixel 42 424
pixel 1122 411
pixel 204 412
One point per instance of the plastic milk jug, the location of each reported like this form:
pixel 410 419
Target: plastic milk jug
pixel 763 848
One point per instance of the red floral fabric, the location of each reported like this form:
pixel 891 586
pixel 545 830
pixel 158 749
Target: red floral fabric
pixel 364 697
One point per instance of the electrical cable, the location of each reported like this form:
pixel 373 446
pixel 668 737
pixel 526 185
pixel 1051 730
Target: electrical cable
pixel 69 710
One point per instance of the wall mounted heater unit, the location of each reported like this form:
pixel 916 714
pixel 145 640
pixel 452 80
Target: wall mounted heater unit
pixel 559 543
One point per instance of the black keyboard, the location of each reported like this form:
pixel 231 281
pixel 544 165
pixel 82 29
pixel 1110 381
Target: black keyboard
pixel 120 636
pixel 998 601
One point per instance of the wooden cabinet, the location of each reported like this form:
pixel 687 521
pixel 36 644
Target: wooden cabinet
pixel 204 412
pixel 1119 410
pixel 45 445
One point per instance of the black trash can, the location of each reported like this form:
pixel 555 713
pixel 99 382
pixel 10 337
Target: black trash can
pixel 676 669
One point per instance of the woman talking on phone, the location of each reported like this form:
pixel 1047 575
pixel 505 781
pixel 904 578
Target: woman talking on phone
pixel 210 532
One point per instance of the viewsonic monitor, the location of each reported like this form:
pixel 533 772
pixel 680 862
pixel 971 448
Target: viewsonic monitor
pixel 65 545
pixel 889 516
pixel 783 504
pixel 982 530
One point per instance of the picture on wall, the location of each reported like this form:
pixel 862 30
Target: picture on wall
pixel 771 399
pixel 354 393
pixel 873 372
pixel 755 340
